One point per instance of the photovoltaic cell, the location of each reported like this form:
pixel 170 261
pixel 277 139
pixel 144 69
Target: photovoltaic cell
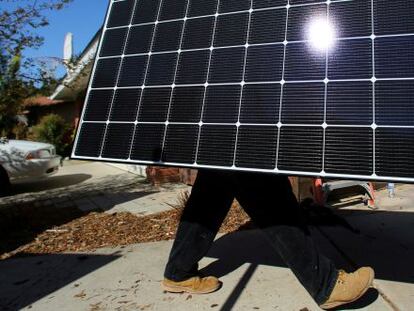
pixel 303 103
pixel 186 104
pixel 125 105
pixel 309 87
pixel 139 40
pixel 132 71
pixel 99 104
pixel 217 145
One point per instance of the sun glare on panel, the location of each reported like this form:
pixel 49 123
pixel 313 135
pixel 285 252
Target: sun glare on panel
pixel 321 34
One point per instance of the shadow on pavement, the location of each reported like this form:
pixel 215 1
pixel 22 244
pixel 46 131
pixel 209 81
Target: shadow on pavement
pixel 383 240
pixel 24 216
pixel 49 183
pixel 21 224
pixel 27 280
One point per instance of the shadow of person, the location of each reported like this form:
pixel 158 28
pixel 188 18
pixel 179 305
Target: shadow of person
pixel 28 279
pixel 49 183
pixel 235 249
pixel 370 297
pixel 251 247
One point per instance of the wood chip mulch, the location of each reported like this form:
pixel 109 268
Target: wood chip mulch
pixel 97 230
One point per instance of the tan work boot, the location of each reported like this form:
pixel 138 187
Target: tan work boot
pixel 194 285
pixel 349 287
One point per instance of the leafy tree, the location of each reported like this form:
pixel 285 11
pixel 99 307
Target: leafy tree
pixel 20 77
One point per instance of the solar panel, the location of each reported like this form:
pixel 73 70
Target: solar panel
pixel 299 87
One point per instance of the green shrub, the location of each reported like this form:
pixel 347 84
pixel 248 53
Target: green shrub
pixel 54 130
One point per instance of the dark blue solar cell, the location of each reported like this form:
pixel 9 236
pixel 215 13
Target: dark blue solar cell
pixel 349 103
pixel 167 36
pixel 231 30
pixel 300 149
pixel 217 145
pixel 198 33
pixel 192 67
pixel 113 42
pixel 256 147
pixel 258 4
pixel 393 17
pixel 148 140
pixel 90 139
pixel 162 69
pixel 180 143
pixel 132 71
pixel 351 59
pixel 302 2
pixel 268 26
pixel 394 149
pixel 186 104
pixel 302 63
pixel 146 11
pixel 260 104
pixel 202 8
pixel 106 72
pixel 222 104
pixel 121 12
pixel 394 57
pixel 303 103
pixel 173 9
pixel 125 105
pixel 98 105
pixel 118 141
pixel 234 5
pixel 264 63
pixel 154 104
pixel 227 65
pixel 139 39
pixel 349 151
pixel 394 103
pixel 351 18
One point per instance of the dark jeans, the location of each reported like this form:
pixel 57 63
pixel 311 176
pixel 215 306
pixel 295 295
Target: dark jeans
pixel 269 201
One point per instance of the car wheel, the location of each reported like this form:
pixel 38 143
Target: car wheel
pixel 5 186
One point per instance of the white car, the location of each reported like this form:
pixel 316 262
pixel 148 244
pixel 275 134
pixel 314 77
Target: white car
pixel 25 161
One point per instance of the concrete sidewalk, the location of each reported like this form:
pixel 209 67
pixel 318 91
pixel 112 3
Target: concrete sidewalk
pixel 129 279
pixel 91 186
pixel 255 278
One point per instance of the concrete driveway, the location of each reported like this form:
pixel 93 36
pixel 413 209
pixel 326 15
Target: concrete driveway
pixel 255 278
pixel 95 186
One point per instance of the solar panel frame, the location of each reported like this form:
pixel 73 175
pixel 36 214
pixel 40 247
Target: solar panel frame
pixel 255 6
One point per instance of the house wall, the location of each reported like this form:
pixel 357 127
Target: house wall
pixel 66 110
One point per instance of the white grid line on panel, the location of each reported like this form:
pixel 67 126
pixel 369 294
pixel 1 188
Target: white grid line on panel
pixel 91 80
pixel 233 12
pixel 252 83
pixel 254 45
pixel 144 79
pixel 206 84
pixel 117 80
pixel 374 156
pixel 282 87
pixel 242 83
pixel 255 124
pixel 175 77
pixel 325 98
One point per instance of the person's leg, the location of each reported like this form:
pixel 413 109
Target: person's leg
pixel 270 202
pixel 208 205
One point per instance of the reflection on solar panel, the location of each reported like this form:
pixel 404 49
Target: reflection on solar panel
pixel 297 87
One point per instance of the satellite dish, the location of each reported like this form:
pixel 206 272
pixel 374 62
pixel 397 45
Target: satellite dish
pixel 68 48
